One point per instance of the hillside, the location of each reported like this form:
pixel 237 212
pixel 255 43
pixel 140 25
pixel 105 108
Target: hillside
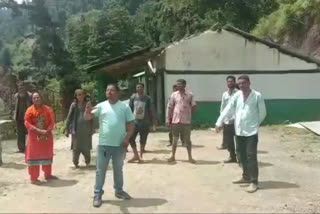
pixel 295 24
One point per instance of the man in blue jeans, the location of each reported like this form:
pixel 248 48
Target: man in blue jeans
pixel 116 125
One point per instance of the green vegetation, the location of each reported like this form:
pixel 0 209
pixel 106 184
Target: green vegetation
pixel 291 20
pixel 59 129
pixel 58 39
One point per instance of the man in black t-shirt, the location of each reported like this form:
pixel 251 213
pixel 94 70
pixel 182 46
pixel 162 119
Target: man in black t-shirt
pixel 144 114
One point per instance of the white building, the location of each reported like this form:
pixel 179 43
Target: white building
pixel 289 81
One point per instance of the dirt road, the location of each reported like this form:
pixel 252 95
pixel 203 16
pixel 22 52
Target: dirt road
pixel 289 179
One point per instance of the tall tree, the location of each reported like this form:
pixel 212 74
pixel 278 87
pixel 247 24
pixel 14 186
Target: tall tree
pixel 5 58
pixel 100 35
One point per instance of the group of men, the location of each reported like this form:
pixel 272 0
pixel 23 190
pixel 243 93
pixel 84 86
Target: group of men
pixel 241 113
pixel 119 125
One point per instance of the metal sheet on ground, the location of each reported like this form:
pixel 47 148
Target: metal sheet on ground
pixel 313 126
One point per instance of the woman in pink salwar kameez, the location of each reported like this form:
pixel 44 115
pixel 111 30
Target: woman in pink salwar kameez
pixel 39 120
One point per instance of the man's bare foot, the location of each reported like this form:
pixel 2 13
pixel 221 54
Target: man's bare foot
pixel 134 159
pixel 191 160
pixel 171 160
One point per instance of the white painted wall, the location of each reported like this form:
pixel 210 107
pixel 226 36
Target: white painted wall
pixel 272 86
pixel 213 51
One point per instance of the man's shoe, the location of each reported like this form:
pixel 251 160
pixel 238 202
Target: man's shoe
pixel 97 201
pixel 123 195
pixel 230 160
pixel 252 188
pixel 241 180
pixel 221 147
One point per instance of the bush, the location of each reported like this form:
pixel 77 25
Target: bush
pixel 59 129
pixel 289 20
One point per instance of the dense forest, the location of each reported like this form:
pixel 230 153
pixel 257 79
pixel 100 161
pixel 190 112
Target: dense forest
pixel 54 41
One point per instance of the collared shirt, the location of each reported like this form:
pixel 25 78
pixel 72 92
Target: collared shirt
pixel 179 108
pixel 248 114
pixel 112 122
pixel 226 97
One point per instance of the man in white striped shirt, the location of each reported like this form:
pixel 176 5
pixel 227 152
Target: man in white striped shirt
pixel 228 123
pixel 248 107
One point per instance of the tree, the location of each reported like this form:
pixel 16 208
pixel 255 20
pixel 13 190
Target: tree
pixel 5 58
pixel 101 35
pixel 166 21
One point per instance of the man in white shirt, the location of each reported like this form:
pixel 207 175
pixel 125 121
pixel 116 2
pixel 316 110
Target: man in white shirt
pixel 228 123
pixel 249 110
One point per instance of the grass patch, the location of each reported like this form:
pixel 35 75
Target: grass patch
pixel 59 129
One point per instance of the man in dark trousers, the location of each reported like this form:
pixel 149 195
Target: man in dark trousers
pixel 228 123
pixel 22 102
pixel 145 116
pixel 249 110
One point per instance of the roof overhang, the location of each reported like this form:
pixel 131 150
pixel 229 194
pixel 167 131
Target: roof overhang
pixel 126 64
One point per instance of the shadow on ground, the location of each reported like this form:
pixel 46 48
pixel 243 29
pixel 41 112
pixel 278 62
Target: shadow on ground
pixel 264 164
pixel 88 168
pixel 166 142
pixel 263 152
pixel 277 185
pixel 197 146
pixel 202 162
pixel 265 185
pixel 160 151
pixel 11 165
pixel 136 203
pixel 59 183
pixel 158 162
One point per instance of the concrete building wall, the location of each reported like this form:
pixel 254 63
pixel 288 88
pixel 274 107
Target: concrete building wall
pixel 209 88
pixel 290 92
pixel 288 97
pixel 213 51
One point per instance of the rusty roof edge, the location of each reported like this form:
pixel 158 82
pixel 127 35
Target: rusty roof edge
pixel 279 47
pixel 123 57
